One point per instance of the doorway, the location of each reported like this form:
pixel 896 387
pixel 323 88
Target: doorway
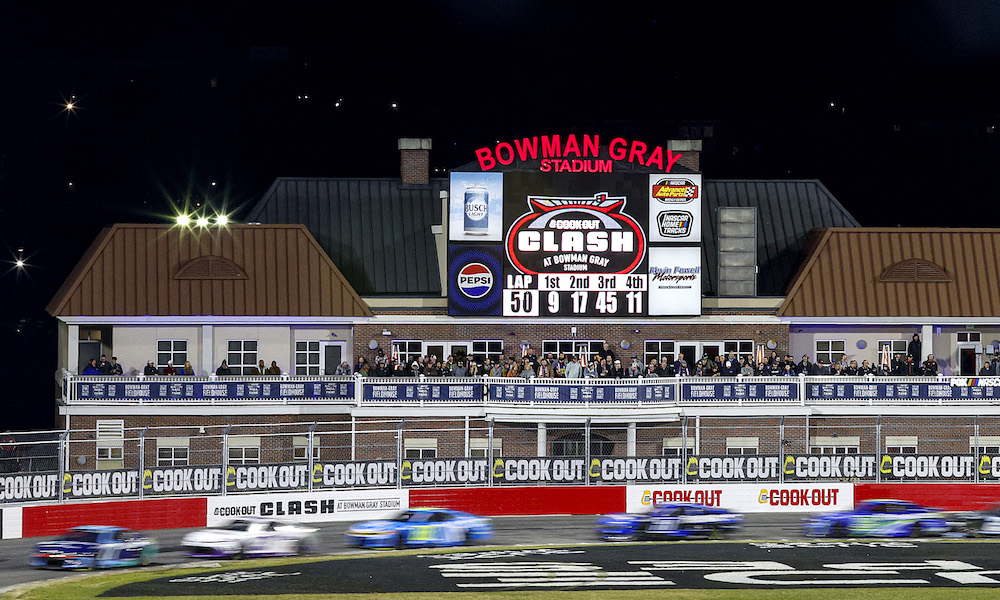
pixel 332 355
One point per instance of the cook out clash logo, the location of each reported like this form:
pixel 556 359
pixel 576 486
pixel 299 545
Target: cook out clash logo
pixel 575 234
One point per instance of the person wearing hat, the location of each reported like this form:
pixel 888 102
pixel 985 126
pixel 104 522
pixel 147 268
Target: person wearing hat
pixel 150 369
pixel 617 371
pixel 170 370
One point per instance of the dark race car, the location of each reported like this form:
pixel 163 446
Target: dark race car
pixel 95 547
pixel 880 518
pixel 419 527
pixel 669 521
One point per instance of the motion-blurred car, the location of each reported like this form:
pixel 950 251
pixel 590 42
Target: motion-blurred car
pixel 984 522
pixel 251 536
pixel 880 518
pixel 419 527
pixel 669 520
pixel 95 547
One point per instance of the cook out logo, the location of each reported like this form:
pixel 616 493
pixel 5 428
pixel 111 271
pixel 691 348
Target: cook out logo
pixel 675 191
pixel 575 234
pixel 475 280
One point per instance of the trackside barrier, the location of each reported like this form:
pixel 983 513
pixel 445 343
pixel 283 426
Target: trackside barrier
pixel 314 507
pixel 563 500
pixel 747 498
pixel 134 514
pixel 10 522
pixel 946 496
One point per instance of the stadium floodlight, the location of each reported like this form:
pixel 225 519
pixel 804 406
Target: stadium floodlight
pixel 183 219
pixel 202 222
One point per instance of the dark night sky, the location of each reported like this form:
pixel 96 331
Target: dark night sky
pixel 173 98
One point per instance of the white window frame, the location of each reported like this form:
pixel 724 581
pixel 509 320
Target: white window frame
pixel 829 444
pixel 663 348
pixel 420 448
pixel 672 446
pixel 743 445
pixel 478 447
pixel 901 444
pixel 589 348
pixel 970 337
pixel 988 444
pixel 110 443
pixel 742 348
pixel 300 448
pixel 242 353
pixel 829 354
pixel 244 449
pixel 888 349
pixel 483 349
pixel 173 350
pixel 409 351
pixel 307 357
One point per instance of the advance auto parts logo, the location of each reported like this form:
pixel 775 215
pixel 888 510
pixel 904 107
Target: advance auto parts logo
pixel 565 235
pixel 675 191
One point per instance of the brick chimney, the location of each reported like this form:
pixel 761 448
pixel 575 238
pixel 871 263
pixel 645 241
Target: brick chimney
pixel 414 160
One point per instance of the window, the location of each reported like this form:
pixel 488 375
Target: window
pixel 656 349
pixel 587 348
pixel 888 349
pixel 829 350
pixel 483 349
pixel 242 356
pixel 833 444
pixel 408 350
pixel 479 446
pixel 672 446
pixel 742 445
pixel 300 448
pixel 174 351
pixel 420 447
pixel 110 443
pixel 901 444
pixel 172 452
pixel 307 358
pixel 970 337
pixel 742 348
pixel 244 450
pixel 988 444
pixel 572 444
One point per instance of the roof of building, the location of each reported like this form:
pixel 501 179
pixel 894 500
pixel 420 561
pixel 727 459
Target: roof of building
pixel 240 270
pixel 898 272
pixel 787 210
pixel 376 230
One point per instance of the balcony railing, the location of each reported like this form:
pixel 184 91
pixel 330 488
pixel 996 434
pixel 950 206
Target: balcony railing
pixel 496 392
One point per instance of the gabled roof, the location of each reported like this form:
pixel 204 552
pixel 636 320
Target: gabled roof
pixel 241 270
pixel 376 230
pixel 787 210
pixel 898 272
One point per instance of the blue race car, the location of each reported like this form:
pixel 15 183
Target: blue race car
pixel 880 518
pixel 670 520
pixel 420 527
pixel 95 547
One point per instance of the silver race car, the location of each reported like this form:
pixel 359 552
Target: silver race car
pixel 252 537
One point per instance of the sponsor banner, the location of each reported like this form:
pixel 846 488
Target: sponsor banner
pixel 475 207
pixel 675 281
pixel 309 507
pixel 524 391
pixel 182 480
pixel 241 390
pixel 851 467
pixel 740 391
pixel 675 208
pixel 10 522
pixel 28 487
pixel 450 392
pixel 902 391
pixel 474 275
pixel 892 467
pixel 928 467
pixel 794 497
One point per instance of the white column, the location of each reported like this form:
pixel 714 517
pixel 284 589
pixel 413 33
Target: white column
pixel 540 450
pixel 630 444
pixel 927 342
pixel 207 350
pixel 73 349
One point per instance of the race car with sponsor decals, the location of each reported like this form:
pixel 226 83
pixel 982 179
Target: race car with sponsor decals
pixel 669 520
pixel 977 523
pixel 252 536
pixel 880 518
pixel 420 527
pixel 95 547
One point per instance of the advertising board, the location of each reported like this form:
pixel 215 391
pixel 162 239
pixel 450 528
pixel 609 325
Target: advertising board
pixel 307 507
pixel 788 497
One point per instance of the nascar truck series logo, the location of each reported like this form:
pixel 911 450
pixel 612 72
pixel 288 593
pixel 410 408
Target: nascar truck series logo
pixel 574 234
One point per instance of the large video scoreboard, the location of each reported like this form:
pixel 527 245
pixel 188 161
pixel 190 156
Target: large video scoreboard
pixel 529 244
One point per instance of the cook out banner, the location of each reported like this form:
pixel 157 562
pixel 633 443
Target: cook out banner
pixel 794 497
pixel 243 390
pixel 442 472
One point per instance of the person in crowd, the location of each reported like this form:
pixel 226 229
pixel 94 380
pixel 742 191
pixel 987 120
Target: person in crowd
pixel 652 369
pixel 986 370
pixel 913 349
pixel 929 368
pixel 274 369
pixel 188 369
pixel 806 367
pixel 460 370
pixel 681 366
pixel 496 369
pixel 714 370
pixel 224 370
pixel 746 368
pixel 882 370
pixel 362 368
pixel 260 369
pixel 115 367
pixel 170 370
pixel 730 366
pixel 852 369
pixel 150 369
pixel 344 368
pixel 909 367
pixel 618 370
pixel 590 372
pixel 527 371
pixel 607 353
pixel 824 368
pixel 897 364
pixel 666 367
pixel 838 369
pixel 866 368
pixel 545 369
pixel 474 370
pixel 103 365
pixel 605 369
pixel 635 369
pixel 788 371
pixel 532 358
pixel 92 368
pixel 562 363
pixel 574 368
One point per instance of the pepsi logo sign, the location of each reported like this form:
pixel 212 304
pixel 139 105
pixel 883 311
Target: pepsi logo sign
pixel 475 280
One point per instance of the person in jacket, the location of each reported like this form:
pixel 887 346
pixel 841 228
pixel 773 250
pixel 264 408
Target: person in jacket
pixel 188 369
pixel 224 370
pixel 150 369
pixel 274 369
pixel 92 368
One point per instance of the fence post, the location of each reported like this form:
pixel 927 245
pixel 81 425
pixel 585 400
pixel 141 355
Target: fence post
pixel 63 461
pixel 586 442
pixel 684 450
pixel 142 460
pixel 781 450
pixel 225 458
pixel 489 452
pixel 975 432
pixel 399 455
pixel 312 461
pixel 878 449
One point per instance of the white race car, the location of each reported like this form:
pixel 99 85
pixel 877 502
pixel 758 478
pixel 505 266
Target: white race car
pixel 252 537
